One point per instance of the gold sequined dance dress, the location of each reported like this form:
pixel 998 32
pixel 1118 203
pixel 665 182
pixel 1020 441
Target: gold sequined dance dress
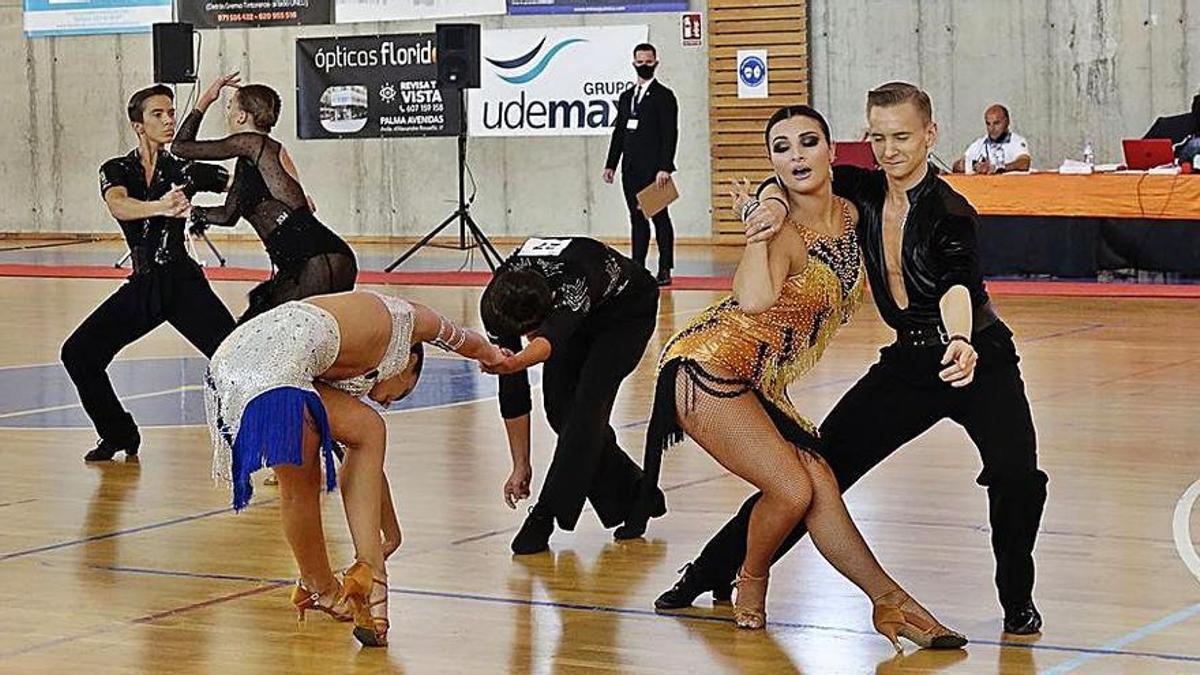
pixel 767 351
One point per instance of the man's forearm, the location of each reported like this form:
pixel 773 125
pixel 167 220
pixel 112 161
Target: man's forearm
pixel 537 351
pixel 517 429
pixel 128 208
pixel 955 306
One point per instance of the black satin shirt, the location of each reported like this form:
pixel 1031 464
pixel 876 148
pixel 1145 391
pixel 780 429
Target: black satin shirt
pixel 940 248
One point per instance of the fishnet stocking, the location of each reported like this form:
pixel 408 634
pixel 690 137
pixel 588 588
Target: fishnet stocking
pixel 731 424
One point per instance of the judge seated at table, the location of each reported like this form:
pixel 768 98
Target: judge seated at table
pixel 1178 127
pixel 999 151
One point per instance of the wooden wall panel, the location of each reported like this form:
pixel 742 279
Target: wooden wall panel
pixel 736 142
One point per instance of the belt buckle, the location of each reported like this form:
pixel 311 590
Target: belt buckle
pixel 943 336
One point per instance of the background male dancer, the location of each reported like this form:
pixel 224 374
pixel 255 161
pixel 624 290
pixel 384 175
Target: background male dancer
pixel 149 192
pixel 919 247
pixel 588 312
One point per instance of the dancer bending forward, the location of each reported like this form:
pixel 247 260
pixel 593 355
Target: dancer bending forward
pixel 285 386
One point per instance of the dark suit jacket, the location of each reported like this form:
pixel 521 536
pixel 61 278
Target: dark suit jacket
pixel 1174 127
pixel 651 147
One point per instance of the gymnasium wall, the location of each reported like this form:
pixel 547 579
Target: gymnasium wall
pixel 62 114
pixel 1070 70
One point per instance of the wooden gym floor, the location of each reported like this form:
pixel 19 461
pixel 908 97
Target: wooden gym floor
pixel 142 567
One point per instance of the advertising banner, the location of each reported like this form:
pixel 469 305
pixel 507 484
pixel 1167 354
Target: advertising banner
pixel 553 81
pixel 371 86
pixel 46 18
pixel 255 13
pixel 594 6
pixel 355 11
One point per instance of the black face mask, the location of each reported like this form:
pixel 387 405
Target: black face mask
pixel 645 72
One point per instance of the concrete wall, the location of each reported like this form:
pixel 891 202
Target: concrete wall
pixel 1069 70
pixel 62 115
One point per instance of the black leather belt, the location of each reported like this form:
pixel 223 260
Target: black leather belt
pixel 923 336
pixel 145 259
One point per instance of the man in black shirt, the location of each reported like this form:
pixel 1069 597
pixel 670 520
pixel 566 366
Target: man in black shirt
pixel 953 357
pixel 149 192
pixel 588 313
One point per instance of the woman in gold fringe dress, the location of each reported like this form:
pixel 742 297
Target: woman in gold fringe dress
pixel 723 381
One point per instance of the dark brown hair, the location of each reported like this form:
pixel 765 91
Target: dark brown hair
pixel 137 102
pixel 261 103
pixel 790 111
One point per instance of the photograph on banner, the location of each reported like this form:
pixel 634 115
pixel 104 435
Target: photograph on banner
pixel 48 18
pixel 553 81
pixel 753 74
pixel 594 6
pixel 255 13
pixel 372 86
pixel 357 11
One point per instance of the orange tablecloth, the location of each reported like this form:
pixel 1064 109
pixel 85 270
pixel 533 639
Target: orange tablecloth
pixel 1120 195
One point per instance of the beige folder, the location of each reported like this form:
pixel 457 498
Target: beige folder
pixel 653 199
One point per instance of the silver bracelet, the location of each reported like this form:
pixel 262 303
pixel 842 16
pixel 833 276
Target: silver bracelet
pixel 749 208
pixel 450 337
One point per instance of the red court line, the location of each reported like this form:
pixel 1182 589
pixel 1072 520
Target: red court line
pixel 681 283
pixel 147 618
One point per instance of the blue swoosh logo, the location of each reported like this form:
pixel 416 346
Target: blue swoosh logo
pixel 520 60
pixel 537 70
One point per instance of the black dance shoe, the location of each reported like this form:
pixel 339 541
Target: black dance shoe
pixel 664 278
pixel 105 451
pixel 1023 620
pixel 635 525
pixel 691 586
pixel 534 535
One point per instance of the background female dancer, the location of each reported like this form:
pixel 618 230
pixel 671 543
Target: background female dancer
pixel 723 381
pixel 285 386
pixel 308 257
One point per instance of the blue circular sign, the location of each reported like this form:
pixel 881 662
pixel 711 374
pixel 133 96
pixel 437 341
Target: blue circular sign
pixel 168 391
pixel 752 71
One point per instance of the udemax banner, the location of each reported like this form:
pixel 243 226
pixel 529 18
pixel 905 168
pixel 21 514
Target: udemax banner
pixel 553 81
pixel 370 86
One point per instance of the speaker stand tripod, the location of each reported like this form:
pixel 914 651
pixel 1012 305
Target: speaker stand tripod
pixel 203 235
pixel 466 224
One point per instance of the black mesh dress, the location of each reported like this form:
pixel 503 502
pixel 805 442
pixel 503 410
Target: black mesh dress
pixel 309 258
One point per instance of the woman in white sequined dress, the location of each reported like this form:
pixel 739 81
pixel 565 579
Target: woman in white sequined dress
pixel 285 387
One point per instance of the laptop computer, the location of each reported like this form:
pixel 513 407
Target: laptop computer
pixel 855 153
pixel 1143 154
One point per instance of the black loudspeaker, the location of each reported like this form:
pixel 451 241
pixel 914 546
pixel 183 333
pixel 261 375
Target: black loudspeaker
pixel 174 61
pixel 458 55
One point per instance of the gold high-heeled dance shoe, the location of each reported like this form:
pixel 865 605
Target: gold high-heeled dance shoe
pixel 750 601
pixel 368 596
pixel 897 615
pixel 304 600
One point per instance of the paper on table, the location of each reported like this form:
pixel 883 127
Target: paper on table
pixel 1075 167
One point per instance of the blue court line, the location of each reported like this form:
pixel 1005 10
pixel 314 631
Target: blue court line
pixel 1086 653
pixel 1128 638
pixel 120 533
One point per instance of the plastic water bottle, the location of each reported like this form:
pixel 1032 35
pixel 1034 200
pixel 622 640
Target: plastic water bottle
pixel 1089 156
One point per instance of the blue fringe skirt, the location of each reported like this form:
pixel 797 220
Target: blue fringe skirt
pixel 259 394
